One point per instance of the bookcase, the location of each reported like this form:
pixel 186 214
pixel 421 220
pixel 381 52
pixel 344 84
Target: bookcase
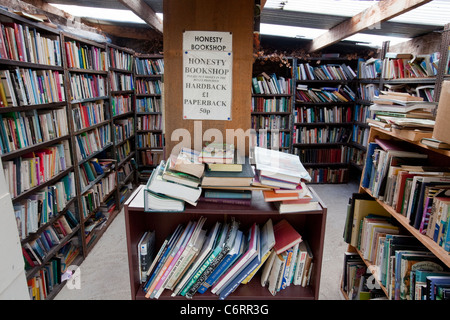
pixel 323 116
pixel 149 73
pixel 436 157
pixel 272 103
pixel 310 224
pixel 37 150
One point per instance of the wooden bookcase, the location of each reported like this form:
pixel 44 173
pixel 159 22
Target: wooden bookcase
pixel 311 225
pixel 437 157
pixel 149 73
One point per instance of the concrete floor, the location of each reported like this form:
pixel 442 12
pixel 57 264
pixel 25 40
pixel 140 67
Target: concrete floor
pixel 104 273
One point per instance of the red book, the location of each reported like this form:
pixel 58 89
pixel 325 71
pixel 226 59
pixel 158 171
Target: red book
pixel 285 236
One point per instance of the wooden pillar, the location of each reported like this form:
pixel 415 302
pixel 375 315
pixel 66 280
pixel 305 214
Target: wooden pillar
pixel 234 16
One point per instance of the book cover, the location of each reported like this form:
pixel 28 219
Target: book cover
pixel 285 236
pixel 228 178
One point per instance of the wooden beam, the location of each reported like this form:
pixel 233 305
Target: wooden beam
pixel 145 12
pixel 382 11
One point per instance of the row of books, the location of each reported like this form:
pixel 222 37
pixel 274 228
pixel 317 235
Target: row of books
pixel 83 56
pixel 123 129
pixel 88 114
pixel 332 114
pixel 24 129
pixel 88 143
pixel 150 140
pixel 356 156
pixel 324 94
pixel 271 139
pixel 328 175
pixel 89 172
pixel 361 113
pixel 322 135
pixel 149 66
pixel 124 172
pixel 123 151
pixel 420 66
pixel 360 135
pixel 121 81
pixel 193 260
pixel 369 69
pixel 40 208
pixel 90 202
pixel 149 122
pixel 148 104
pixel 22 43
pixel 368 91
pixel 401 178
pixel 305 71
pixel 148 86
pixel 86 86
pixel 270 122
pixel 271 84
pixel 150 157
pixel 329 155
pixel 35 168
pixel 281 104
pixel 119 59
pixel 121 104
pixel 20 87
pixel 41 285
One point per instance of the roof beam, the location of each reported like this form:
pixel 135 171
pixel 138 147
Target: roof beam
pixel 380 12
pixel 145 12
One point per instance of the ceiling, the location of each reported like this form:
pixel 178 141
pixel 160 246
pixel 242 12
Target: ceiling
pixel 303 16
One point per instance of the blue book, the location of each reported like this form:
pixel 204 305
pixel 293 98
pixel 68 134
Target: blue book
pixel 287 267
pixel 368 167
pixel 433 283
pixel 241 276
pixel 225 263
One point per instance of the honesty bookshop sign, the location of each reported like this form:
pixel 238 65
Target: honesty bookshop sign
pixel 207 75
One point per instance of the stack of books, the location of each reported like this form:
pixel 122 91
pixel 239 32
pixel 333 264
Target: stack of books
pixel 402 111
pixel 194 259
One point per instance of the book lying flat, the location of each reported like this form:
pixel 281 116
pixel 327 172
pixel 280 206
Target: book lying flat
pixel 285 236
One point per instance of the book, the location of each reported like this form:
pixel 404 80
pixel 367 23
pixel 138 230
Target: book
pixel 235 166
pixel 179 177
pixel 216 152
pixel 279 165
pixel 242 262
pixel 154 202
pixel 275 273
pixel 228 194
pixel 242 178
pixel 434 143
pixel 271 196
pixel 187 161
pixel 146 248
pixel 285 236
pixel 158 185
pixel 299 205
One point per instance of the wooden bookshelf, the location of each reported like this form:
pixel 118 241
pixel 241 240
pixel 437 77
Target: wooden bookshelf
pixel 311 225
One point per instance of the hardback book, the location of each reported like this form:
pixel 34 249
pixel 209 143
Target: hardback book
pixel 146 248
pixel 301 189
pixel 276 273
pixel 242 262
pixel 236 166
pixel 267 268
pixel 434 143
pixel 187 161
pixel 231 257
pixel 160 202
pixel 299 205
pixel 227 178
pixel 216 152
pixel 157 184
pixel 228 194
pixel 280 165
pixel 420 282
pixel 272 196
pixel 180 177
pixel 244 202
pixel 285 236
pixel 205 252
pixel 308 266
pixel 222 249
pixel 243 273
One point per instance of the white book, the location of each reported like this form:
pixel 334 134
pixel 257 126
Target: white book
pixel 300 263
pixel 277 267
pixel 267 268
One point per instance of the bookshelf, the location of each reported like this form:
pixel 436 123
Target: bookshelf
pixel 272 102
pixel 323 116
pixel 36 130
pixel 310 224
pixel 436 157
pixel 149 73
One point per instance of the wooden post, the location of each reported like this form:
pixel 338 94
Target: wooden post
pixel 234 16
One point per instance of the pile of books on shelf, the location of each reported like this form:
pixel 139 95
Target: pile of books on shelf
pixel 402 179
pixel 406 65
pixel 325 72
pixel 339 94
pixel 401 110
pixel 194 259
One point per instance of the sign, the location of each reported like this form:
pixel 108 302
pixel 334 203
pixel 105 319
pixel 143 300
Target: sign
pixel 207 75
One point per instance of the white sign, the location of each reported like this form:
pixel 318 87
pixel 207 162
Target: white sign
pixel 207 75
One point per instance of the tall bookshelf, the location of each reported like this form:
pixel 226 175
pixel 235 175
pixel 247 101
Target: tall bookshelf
pixel 323 116
pixel 149 73
pixel 32 63
pixel 122 85
pixel 272 104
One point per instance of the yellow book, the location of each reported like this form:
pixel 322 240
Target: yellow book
pixel 3 96
pixel 250 276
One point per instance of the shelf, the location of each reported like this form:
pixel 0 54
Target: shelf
pixel 89 99
pixel 53 105
pixel 443 255
pixel 22 64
